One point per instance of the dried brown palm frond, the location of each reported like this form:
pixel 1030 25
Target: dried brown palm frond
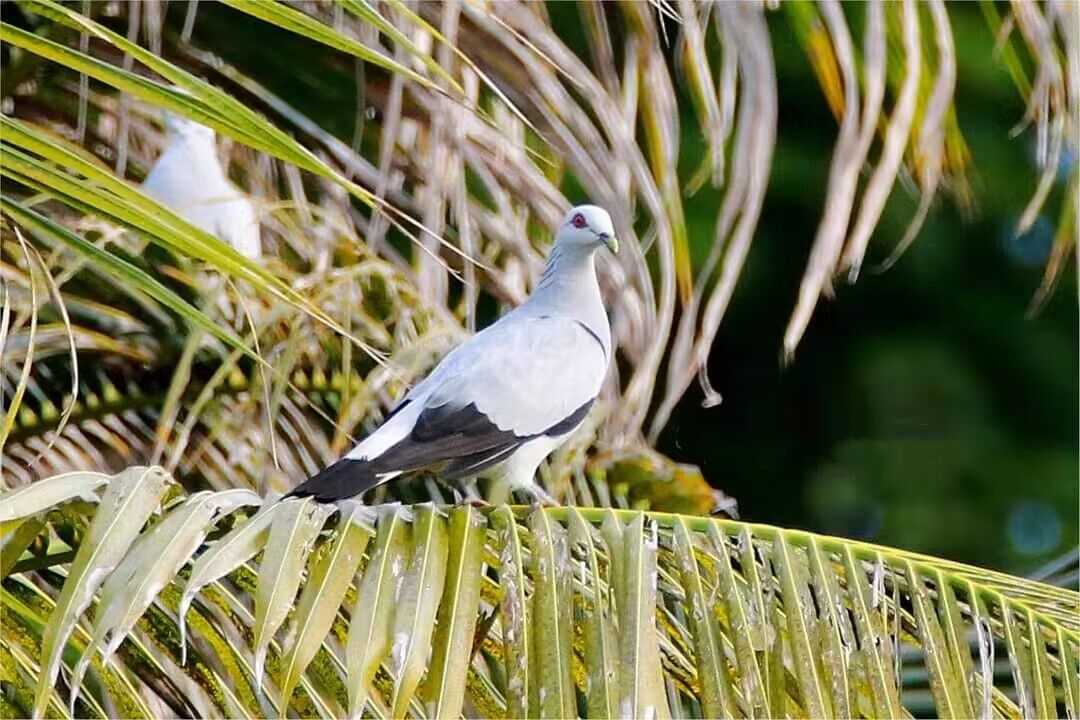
pixel 1049 48
pixel 475 124
pixel 189 400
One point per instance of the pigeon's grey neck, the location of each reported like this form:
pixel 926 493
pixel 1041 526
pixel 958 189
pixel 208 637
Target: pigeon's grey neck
pixel 568 270
pixel 568 287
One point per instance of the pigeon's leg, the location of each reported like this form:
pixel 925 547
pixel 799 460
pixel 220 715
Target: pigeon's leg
pixel 472 494
pixel 435 485
pixel 520 469
pixel 467 495
pixel 462 492
pixel 459 499
pixel 539 496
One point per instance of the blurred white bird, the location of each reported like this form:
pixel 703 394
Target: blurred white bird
pixel 189 179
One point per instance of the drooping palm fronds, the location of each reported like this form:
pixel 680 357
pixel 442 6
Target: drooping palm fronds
pixel 484 118
pixel 441 612
pixel 218 440
pixel 473 124
pixel 1049 42
pixel 186 397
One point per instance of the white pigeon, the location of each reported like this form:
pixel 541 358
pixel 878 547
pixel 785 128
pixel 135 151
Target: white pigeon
pixel 189 179
pixel 502 401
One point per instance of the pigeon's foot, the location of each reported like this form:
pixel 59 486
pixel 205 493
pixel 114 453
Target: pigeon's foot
pixel 538 497
pixel 466 495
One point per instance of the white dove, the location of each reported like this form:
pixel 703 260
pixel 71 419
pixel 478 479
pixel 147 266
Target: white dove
pixel 189 179
pixel 503 400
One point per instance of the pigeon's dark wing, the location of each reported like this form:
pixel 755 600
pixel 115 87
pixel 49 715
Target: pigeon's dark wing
pixel 457 444
pixel 522 378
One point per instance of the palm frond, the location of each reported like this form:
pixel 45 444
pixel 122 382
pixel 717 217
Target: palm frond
pixel 486 120
pixel 507 611
pixel 130 338
pixel 215 442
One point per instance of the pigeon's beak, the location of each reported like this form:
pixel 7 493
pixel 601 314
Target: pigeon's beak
pixel 611 241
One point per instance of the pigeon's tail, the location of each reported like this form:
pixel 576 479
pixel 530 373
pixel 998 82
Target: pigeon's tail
pixel 367 465
pixel 346 478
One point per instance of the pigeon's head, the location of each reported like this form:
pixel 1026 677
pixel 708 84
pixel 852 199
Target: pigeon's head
pixel 179 126
pixel 587 226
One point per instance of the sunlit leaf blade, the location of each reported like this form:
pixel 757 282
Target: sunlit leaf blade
pixel 373 612
pixel 295 21
pixel 156 558
pixel 596 619
pixel 444 691
pixel 745 623
pixel 1045 701
pixel 1070 672
pixel 364 10
pixel 331 571
pixel 1020 663
pixel 956 635
pixel 514 614
pixel 151 564
pixel 870 632
pixel 946 682
pixel 551 679
pixel 791 568
pixel 29 500
pixel 128 502
pixel 224 556
pixel 641 691
pixel 414 618
pixel 838 636
pixel 291 538
pixel 15 537
pixel 13 405
pixel 717 699
pixel 773 660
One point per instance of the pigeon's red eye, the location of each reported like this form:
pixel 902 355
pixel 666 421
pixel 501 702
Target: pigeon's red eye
pixel 579 221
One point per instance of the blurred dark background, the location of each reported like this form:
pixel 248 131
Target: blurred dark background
pixel 923 408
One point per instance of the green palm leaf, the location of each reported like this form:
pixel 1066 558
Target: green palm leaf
pixel 484 119
pixel 701 616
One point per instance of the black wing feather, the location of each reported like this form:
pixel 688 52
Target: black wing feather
pixel 461 441
pixel 344 479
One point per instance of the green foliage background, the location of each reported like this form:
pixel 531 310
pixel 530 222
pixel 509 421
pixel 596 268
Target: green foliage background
pixel 925 408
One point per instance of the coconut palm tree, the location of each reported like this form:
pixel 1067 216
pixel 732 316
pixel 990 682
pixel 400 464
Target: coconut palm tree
pixel 158 382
